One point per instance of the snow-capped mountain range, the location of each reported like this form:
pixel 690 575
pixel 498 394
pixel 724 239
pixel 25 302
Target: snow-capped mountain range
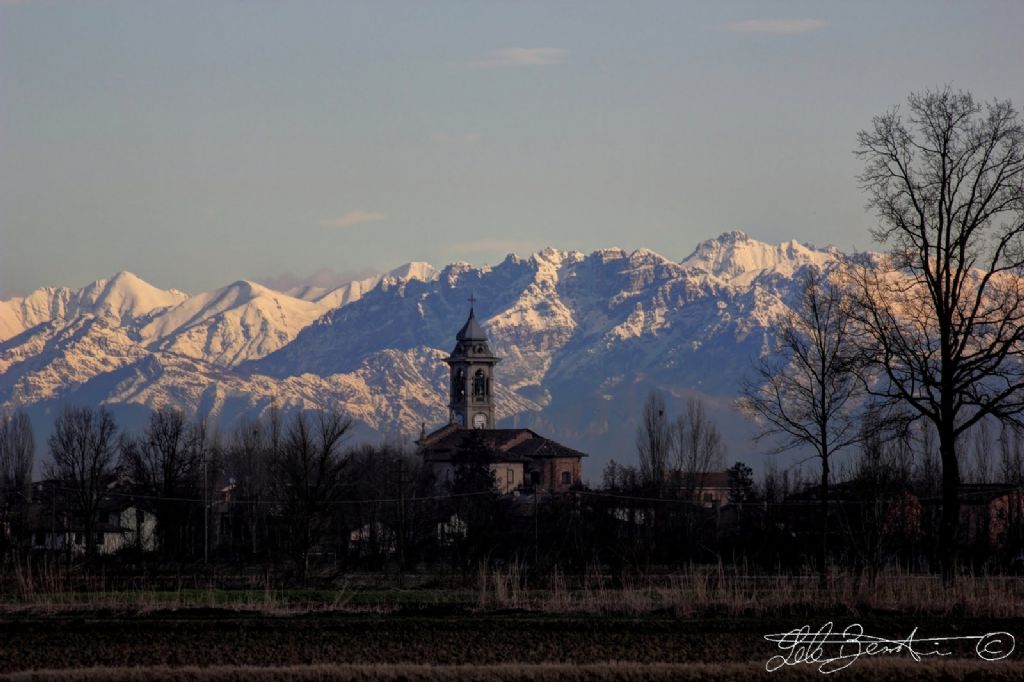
pixel 583 337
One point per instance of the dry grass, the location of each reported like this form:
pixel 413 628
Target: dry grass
pixel 698 591
pixel 719 591
pixel 874 671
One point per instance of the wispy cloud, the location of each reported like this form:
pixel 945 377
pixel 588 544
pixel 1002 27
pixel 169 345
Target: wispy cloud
pixel 441 137
pixel 324 278
pixel 353 218
pixel 520 56
pixel 779 26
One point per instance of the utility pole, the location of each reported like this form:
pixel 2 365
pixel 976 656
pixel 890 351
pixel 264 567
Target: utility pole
pixel 53 517
pixel 401 525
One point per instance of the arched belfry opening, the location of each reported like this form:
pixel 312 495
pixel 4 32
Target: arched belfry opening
pixel 471 367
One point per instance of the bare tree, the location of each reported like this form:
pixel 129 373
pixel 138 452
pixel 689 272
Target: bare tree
pixel 308 476
pixel 249 458
pixel 166 461
pixel 926 473
pixel 878 514
pixel 17 453
pixel 981 469
pixel 945 309
pixel 697 446
pixel 808 395
pixel 82 450
pixel 654 439
pixel 1011 455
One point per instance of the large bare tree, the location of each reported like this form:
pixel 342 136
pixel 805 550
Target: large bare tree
pixel 807 395
pixel 82 450
pixel 248 460
pixel 166 462
pixel 308 476
pixel 944 310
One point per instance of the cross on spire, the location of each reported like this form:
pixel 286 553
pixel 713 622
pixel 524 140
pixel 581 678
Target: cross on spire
pixel 472 301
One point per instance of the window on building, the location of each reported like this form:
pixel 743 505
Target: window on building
pixel 510 477
pixel 479 385
pixel 459 384
pixel 708 497
pixel 566 478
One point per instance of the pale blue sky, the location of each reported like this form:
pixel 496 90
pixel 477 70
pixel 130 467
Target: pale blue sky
pixel 196 143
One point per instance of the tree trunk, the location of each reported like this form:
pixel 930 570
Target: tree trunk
pixel 950 523
pixel 823 549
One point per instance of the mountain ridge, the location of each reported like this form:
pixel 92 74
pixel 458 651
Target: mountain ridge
pixel 582 337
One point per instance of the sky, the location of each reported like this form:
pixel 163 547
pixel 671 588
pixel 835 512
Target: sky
pixel 195 143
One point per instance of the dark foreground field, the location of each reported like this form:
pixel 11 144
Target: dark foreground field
pixel 211 644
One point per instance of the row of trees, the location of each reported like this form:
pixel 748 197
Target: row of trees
pixel 291 495
pixel 172 464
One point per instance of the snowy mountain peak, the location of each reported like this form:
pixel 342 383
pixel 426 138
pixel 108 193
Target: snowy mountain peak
pixel 610 254
pixel 126 296
pixel 643 256
pixel 415 270
pixel 736 257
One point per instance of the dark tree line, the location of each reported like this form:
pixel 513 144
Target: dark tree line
pixel 288 495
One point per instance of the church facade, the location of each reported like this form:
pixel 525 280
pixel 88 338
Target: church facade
pixel 519 458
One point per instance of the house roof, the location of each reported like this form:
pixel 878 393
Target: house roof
pixel 538 446
pixel 42 517
pixel 710 479
pixel 985 492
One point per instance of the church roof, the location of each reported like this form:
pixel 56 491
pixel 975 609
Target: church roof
pixel 506 445
pixel 471 331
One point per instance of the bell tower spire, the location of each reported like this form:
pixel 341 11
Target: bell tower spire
pixel 471 369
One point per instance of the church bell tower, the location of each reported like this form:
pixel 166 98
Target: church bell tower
pixel 471 369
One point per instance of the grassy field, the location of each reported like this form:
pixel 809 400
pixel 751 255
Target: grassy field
pixel 694 593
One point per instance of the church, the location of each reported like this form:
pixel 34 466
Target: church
pixel 519 458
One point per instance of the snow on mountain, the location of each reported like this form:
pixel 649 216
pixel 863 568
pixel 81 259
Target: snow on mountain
pixel 51 359
pixel 737 258
pixel 354 290
pixel 239 322
pixel 124 298
pixel 582 338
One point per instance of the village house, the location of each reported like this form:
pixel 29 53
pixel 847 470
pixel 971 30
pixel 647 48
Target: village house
pixel 992 513
pixel 709 489
pixel 120 523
